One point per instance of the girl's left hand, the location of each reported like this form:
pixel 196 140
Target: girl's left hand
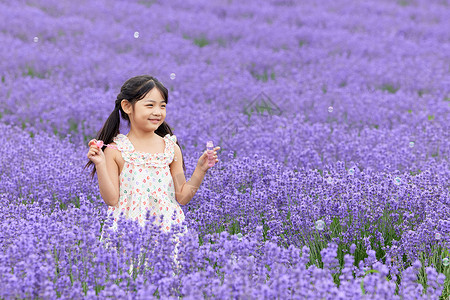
pixel 203 160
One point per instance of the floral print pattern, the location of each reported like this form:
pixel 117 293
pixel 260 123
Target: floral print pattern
pixel 146 184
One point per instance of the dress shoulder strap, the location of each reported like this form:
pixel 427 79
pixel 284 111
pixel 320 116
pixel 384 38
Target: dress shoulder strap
pixel 122 142
pixel 172 138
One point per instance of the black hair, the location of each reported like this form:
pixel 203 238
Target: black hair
pixel 133 90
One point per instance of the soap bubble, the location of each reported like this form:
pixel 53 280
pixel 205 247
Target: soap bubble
pixel 136 34
pixel 234 259
pixel 36 39
pixel 445 261
pixel 320 225
pixel 351 171
pixel 330 180
pixel 438 236
pixel 239 236
pixel 397 180
pixel 172 76
pixel 330 109
pixel 411 144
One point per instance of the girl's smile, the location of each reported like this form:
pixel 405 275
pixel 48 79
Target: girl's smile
pixel 148 114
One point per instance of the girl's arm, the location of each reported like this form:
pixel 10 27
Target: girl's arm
pixel 184 191
pixel 108 178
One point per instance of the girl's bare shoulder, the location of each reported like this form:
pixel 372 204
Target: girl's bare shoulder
pixel 113 151
pixel 115 154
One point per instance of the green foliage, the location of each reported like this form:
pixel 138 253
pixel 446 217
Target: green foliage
pixel 390 88
pixel 259 108
pixel 263 77
pixel 30 71
pixel 343 84
pixel 73 126
pixel 421 92
pixel 147 3
pixel 201 42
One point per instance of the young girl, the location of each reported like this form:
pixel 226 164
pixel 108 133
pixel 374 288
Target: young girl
pixel 143 170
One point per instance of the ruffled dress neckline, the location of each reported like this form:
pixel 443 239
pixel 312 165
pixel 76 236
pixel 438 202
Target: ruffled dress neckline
pixel 133 149
pixel 159 159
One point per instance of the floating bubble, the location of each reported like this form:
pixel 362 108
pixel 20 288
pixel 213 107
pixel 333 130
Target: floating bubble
pixel 172 76
pixel 330 109
pixel 330 180
pixel 239 236
pixel 136 34
pixel 411 144
pixel 320 225
pixel 234 259
pixel 438 236
pixel 397 180
pixel 351 171
pixel 36 39
pixel 445 261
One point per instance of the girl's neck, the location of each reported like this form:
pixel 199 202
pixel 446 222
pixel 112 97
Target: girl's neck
pixel 143 136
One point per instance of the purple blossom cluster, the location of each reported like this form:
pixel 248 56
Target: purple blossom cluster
pixel 333 122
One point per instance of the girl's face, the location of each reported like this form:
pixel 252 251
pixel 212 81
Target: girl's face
pixel 151 107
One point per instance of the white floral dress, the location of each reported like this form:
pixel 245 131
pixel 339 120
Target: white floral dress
pixel 146 184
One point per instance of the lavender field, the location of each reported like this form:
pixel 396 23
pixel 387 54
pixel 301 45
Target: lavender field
pixel 333 122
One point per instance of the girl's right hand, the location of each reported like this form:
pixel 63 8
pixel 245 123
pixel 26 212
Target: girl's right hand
pixel 95 154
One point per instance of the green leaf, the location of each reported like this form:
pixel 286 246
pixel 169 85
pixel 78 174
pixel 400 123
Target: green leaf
pixel 362 279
